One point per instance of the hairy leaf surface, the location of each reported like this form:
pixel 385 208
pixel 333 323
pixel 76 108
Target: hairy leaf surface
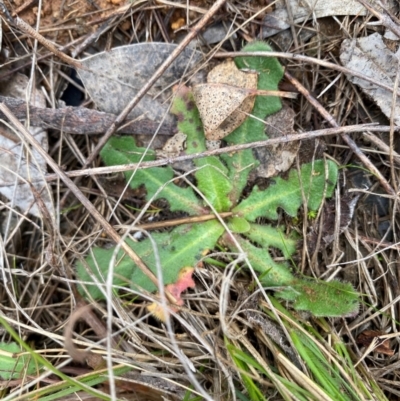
pixel 315 181
pixel 123 150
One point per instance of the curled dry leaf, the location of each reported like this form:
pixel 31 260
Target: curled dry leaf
pixel 146 387
pixel 173 147
pixel 371 57
pixel 223 102
pixel 304 10
pixel 113 78
pixel 382 345
pixel 77 354
pixel 22 168
pixel 228 98
pixel 219 108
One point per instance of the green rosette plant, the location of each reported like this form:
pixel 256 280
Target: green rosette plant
pixel 221 180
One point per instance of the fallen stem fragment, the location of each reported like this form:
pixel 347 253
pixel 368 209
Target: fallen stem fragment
pixel 228 149
pixel 78 355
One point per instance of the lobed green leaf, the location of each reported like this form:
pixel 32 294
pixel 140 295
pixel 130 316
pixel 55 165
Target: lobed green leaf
pixel 14 366
pixel 267 236
pixel 272 274
pixel 211 177
pixel 183 246
pixel 238 225
pixel 97 264
pixel 321 298
pixel 123 150
pixel 315 181
pixel 239 165
pixel 213 182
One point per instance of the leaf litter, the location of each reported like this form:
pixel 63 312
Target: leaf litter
pixel 114 77
pixel 20 165
pixel 281 19
pixel 223 109
pixel 374 59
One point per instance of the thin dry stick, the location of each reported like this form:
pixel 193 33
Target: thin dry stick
pixel 382 146
pixel 384 19
pixel 227 149
pixel 291 23
pixel 23 7
pixel 352 145
pixel 27 63
pixel 391 136
pixel 177 222
pixel 79 120
pixel 85 202
pixel 306 59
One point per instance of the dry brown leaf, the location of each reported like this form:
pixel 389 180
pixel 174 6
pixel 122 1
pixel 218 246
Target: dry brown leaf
pixel 383 345
pixel 216 103
pixel 223 103
pixel 228 98
pixel 304 10
pixel 22 168
pixel 227 73
pixel 173 147
pixel 112 78
pixel 371 57
pixel 277 158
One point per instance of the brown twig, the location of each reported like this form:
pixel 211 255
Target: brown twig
pixel 292 24
pixel 182 220
pixel 384 19
pixel 79 120
pixel 91 37
pixel 352 145
pixel 27 63
pixel 23 7
pixel 23 26
pixel 227 149
pixel 382 146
